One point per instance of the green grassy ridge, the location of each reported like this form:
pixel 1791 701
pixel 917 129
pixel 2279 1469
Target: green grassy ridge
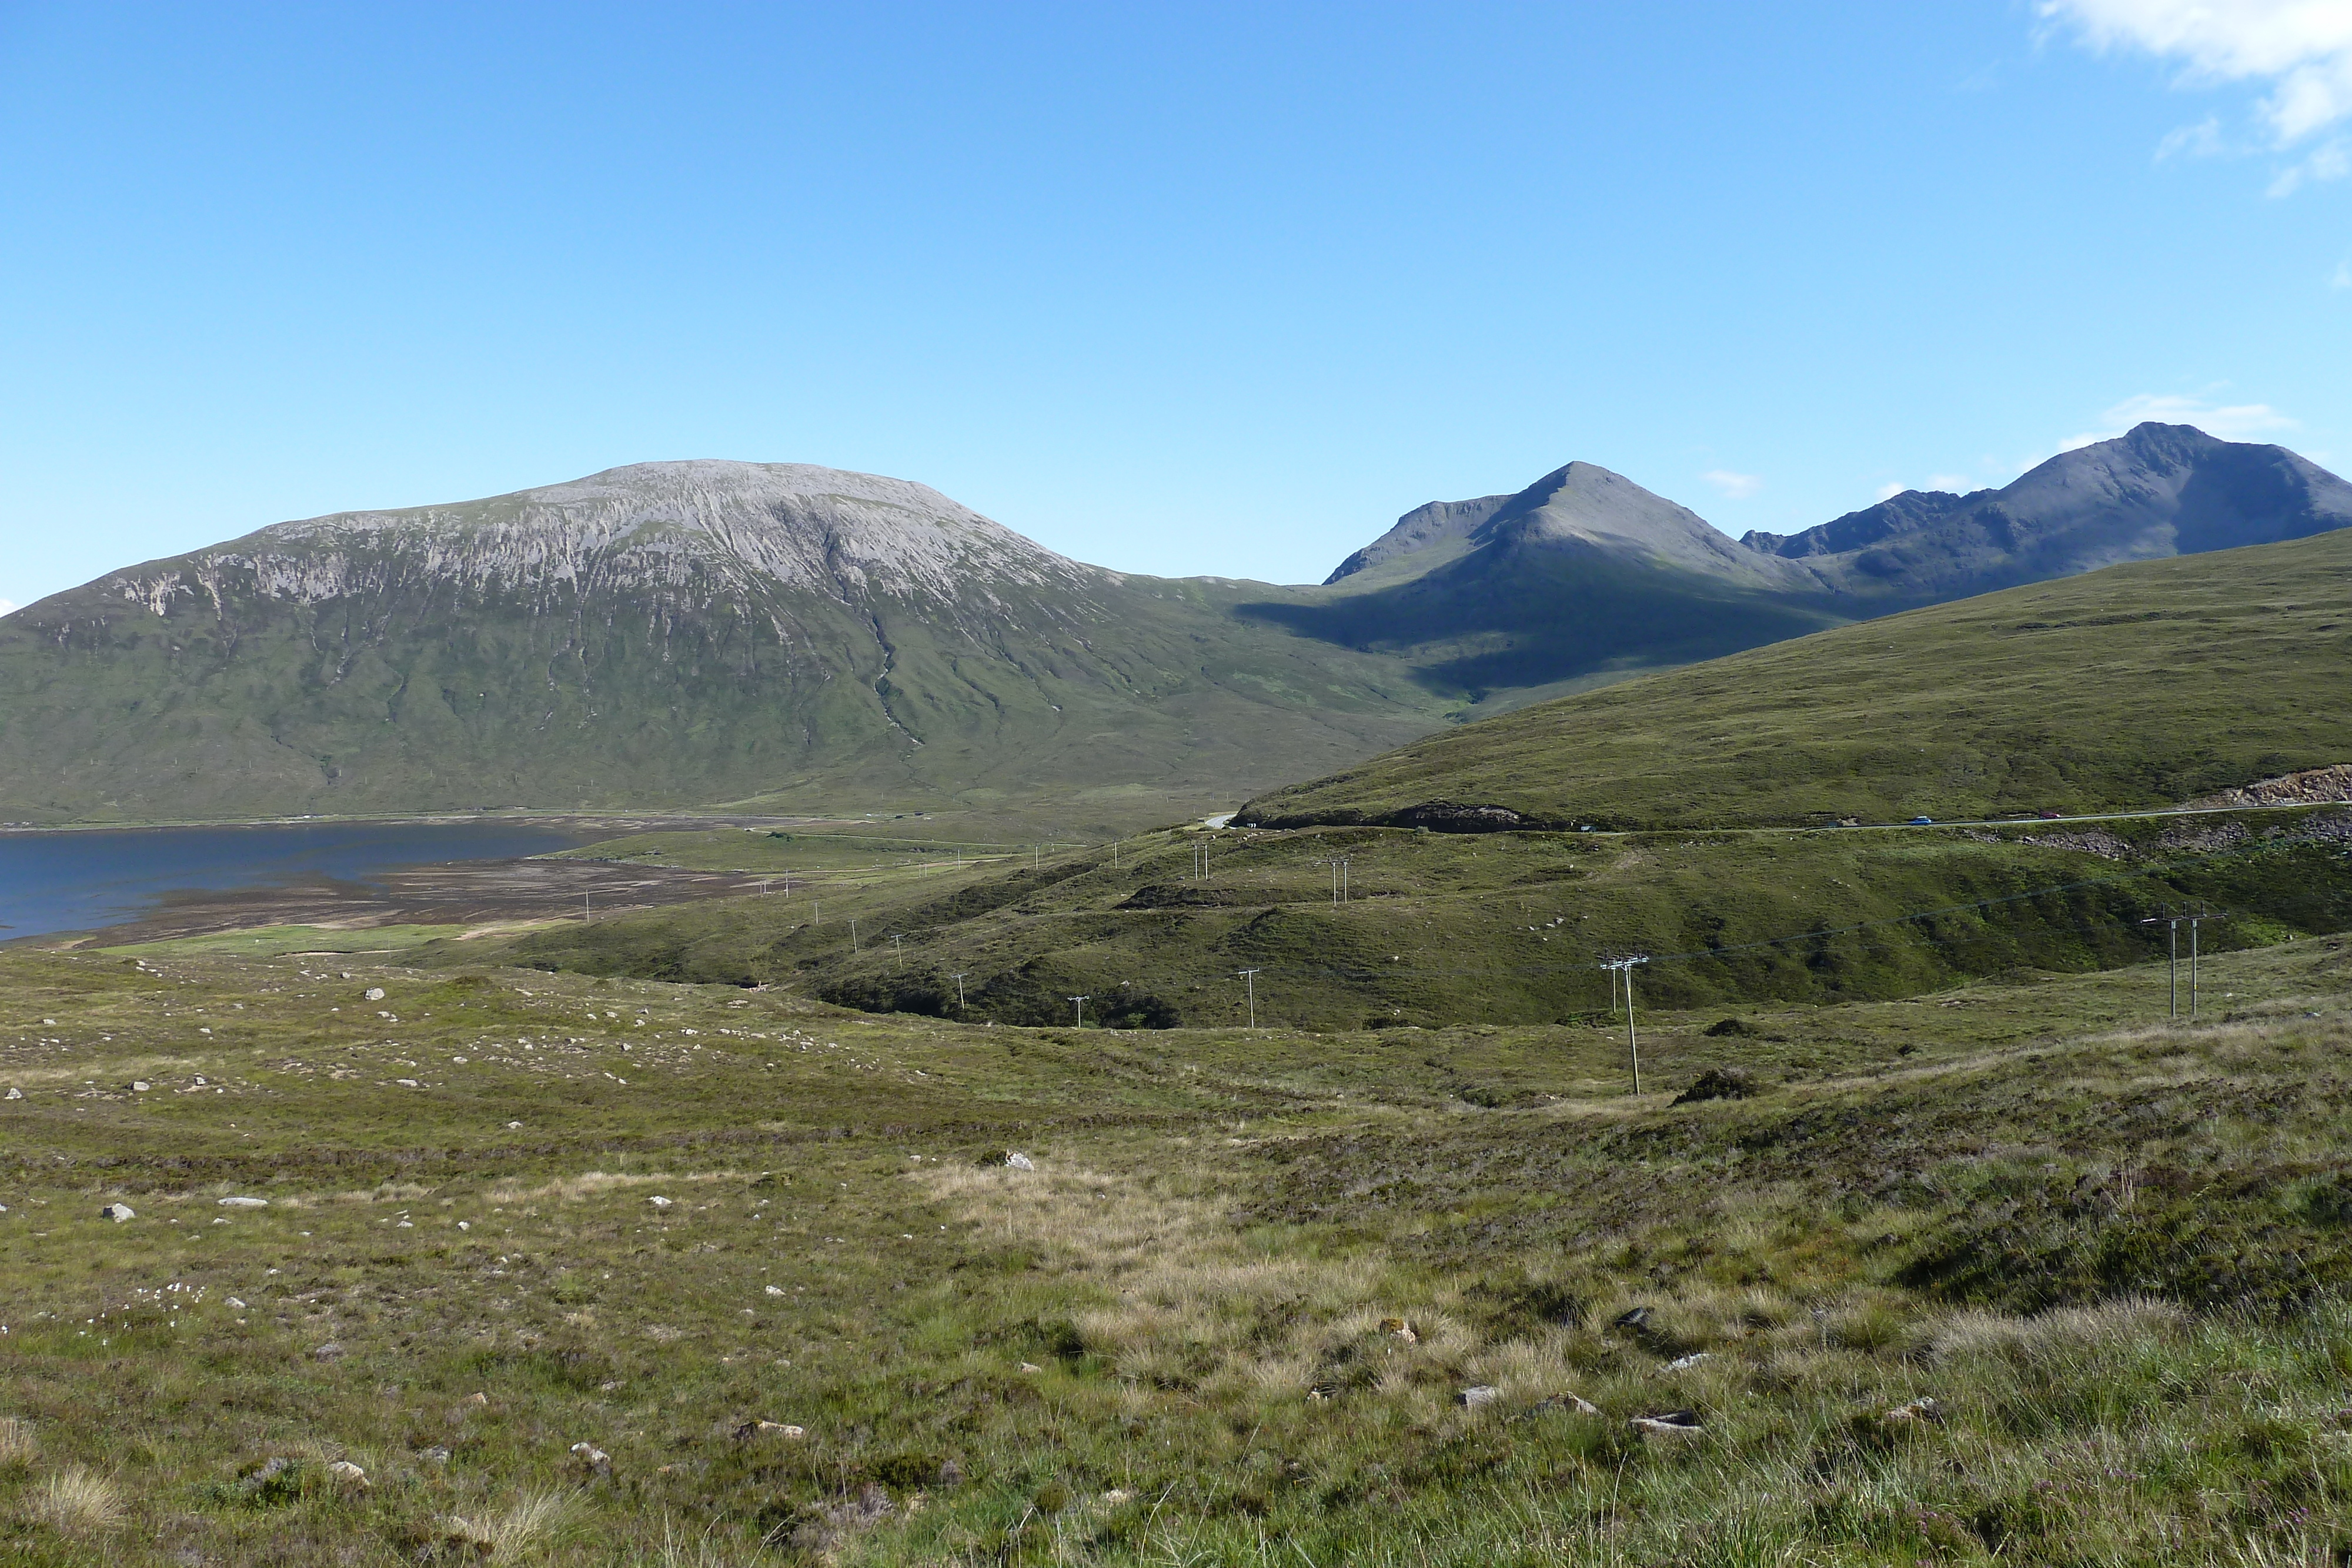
pixel 2132 687
pixel 1503 928
pixel 1173 1340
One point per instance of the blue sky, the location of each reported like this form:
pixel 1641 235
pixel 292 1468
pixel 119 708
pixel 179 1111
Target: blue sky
pixel 1196 289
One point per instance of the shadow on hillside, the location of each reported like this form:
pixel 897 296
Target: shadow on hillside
pixel 1481 624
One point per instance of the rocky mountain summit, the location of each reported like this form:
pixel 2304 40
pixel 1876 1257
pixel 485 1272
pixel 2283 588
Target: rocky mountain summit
pixel 2160 490
pixel 680 633
pixel 1585 575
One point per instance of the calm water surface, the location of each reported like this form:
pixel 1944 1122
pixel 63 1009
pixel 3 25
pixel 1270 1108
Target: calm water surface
pixel 79 881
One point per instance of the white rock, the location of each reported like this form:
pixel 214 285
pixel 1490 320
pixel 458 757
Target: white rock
pixel 462 1225
pixel 776 1290
pixel 118 1212
pixel 375 993
pixel 245 1203
pixel 1479 1395
pixel 1684 1363
pixel 238 1304
pixel 514 1127
pixel 1018 1161
pixel 348 1473
pixel 140 1086
pixel 15 1094
pixel 405 1083
pixel 659 1202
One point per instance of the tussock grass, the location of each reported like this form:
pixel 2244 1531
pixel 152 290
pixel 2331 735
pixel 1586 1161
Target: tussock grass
pixel 77 1502
pixel 1235 1314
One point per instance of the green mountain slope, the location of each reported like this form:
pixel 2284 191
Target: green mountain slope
pixel 671 633
pixel 2138 685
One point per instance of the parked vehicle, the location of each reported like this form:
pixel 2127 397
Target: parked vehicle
pixel 1923 821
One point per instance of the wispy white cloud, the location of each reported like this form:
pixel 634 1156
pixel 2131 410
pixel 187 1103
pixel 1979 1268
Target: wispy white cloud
pixel 2343 278
pixel 1888 491
pixel 2231 422
pixel 7 607
pixel 1948 482
pixel 2301 50
pixel 2329 161
pixel 1736 487
pixel 2202 139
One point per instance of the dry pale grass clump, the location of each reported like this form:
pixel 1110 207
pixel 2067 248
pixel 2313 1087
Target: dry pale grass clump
pixel 16 1444
pixel 590 1183
pixel 1199 1305
pixel 2061 1334
pixel 74 1501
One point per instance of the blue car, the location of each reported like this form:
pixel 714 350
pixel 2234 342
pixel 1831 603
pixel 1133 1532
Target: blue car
pixel 1923 821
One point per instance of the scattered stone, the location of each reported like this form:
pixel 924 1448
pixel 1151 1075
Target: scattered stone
pixel 1478 1396
pixel 659 1202
pixel 1672 1424
pixel 262 1479
pixel 436 1454
pixel 750 1430
pixel 118 1212
pixel 1684 1363
pixel 140 1086
pixel 348 1473
pixel 374 994
pixel 236 1303
pixel 514 1127
pixel 15 1094
pixel 1018 1161
pixel 245 1203
pixel 1116 1496
pixel 596 1459
pixel 330 1351
pixel 1633 1318
pixel 776 1290
pixel 407 1082
pixel 1031 1366
pixel 1927 1409
pixel 1564 1405
pixel 1398 1330
pixel 1718 1084
pixel 477 1400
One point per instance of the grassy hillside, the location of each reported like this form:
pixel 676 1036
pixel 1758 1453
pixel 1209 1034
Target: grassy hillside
pixel 1999 1281
pixel 1443 929
pixel 2140 686
pixel 1131 703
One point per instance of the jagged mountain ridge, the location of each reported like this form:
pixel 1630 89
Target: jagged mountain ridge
pixel 676 632
pixel 1586 575
pixel 2156 491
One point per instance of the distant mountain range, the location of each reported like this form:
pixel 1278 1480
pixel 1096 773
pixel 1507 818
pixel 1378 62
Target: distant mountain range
pixel 800 638
pixel 1584 575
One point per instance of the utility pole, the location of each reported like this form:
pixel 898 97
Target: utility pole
pixel 585 916
pixel 2172 924
pixel 2194 921
pixel 1632 1040
pixel 898 953
pixel 1343 879
pixel 1081 1010
pixel 1250 976
pixel 959 980
pixel 852 933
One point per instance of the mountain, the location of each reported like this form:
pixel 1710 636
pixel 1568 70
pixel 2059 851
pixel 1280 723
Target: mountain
pixel 2160 490
pixel 2145 685
pixel 1585 576
pixel 664 633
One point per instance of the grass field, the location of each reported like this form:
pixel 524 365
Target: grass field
pixel 2139 687
pixel 1447 928
pixel 1247 1307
